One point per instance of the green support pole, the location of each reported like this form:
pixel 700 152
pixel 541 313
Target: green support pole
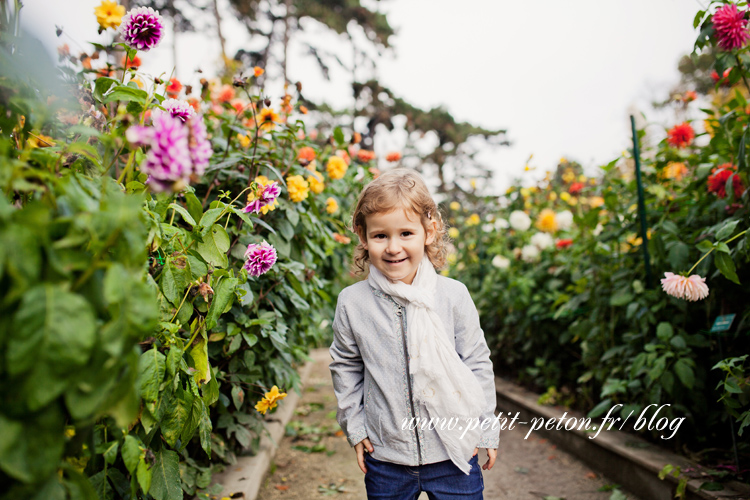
pixel 641 202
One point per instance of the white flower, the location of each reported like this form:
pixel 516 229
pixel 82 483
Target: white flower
pixel 598 230
pixel 488 228
pixel 529 253
pixel 519 220
pixel 501 223
pixel 500 262
pixel 542 240
pixel 564 220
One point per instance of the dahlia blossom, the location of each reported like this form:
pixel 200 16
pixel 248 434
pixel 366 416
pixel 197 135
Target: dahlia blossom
pixel 142 28
pixel 267 194
pixel 717 181
pixel 564 243
pixel 529 253
pixel 168 160
pixel 260 258
pixel 501 262
pixel 542 241
pixel 565 220
pixel 730 27
pixel 681 135
pixel 178 109
pixel 520 221
pixel 692 288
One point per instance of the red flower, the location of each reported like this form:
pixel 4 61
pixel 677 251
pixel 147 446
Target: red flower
pixel 394 156
pixel 365 155
pixel 690 95
pixel 306 153
pixel 730 28
pixel 131 63
pixel 724 80
pixel 717 181
pixel 576 187
pixel 681 135
pixel 174 87
pixel 564 243
pixel 195 103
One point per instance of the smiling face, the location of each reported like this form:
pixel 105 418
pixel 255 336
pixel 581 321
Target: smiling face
pixel 396 242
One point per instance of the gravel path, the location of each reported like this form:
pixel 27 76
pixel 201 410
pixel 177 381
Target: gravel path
pixel 315 461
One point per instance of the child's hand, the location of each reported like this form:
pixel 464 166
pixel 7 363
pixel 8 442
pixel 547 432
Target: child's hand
pixel 360 449
pixel 491 456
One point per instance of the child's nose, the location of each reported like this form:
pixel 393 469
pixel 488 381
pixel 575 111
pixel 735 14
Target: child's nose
pixel 394 246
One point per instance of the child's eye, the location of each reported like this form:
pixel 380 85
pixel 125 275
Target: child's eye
pixel 406 233
pixel 378 236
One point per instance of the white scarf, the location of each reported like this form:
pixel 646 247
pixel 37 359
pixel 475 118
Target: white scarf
pixel 441 381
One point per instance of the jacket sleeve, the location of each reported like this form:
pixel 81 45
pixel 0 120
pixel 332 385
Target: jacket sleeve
pixel 473 350
pixel 348 373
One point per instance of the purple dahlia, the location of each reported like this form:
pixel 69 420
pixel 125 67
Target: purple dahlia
pixel 168 161
pixel 178 109
pixel 730 27
pixel 260 258
pixel 267 194
pixel 142 28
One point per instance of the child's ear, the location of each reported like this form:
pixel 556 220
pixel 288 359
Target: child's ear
pixel 362 239
pixel 431 232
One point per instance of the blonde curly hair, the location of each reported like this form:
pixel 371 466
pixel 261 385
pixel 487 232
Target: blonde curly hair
pixel 398 188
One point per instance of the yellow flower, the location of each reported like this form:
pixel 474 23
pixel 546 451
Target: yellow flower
pixel 263 406
pixel 634 240
pixel 565 196
pixel 592 181
pixel 572 201
pixel 452 258
pixel 109 14
pixel 596 201
pixel 473 183
pixel 40 141
pixel 336 167
pixel 274 395
pixel 674 170
pixel 473 220
pixel 444 272
pixel 332 206
pixel 70 432
pixel 316 182
pixel 455 205
pixel 138 82
pixel 710 127
pixel 582 178
pixel 563 160
pixel 453 232
pixel 552 196
pixel 547 221
pixel 525 192
pixel 264 181
pixel 509 190
pixel 298 188
pixel 244 140
pixel 569 176
pixel 268 119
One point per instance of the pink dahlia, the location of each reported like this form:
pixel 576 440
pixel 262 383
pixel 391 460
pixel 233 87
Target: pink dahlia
pixel 730 27
pixel 168 161
pixel 142 28
pixel 692 288
pixel 198 144
pixel 266 195
pixel 260 258
pixel 178 109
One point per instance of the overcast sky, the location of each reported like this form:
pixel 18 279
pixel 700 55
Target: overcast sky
pixel 561 77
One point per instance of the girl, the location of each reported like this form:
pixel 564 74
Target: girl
pixel 411 369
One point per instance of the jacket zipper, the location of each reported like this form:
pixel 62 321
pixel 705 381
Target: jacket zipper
pixel 408 379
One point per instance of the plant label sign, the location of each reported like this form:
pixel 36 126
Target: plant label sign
pixel 722 323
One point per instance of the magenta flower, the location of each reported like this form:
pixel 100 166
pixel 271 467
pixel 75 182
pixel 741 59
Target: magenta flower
pixel 168 161
pixel 267 194
pixel 178 109
pixel 692 288
pixel 730 27
pixel 199 145
pixel 260 258
pixel 142 28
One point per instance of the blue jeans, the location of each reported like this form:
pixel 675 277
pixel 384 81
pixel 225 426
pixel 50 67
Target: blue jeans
pixel 441 481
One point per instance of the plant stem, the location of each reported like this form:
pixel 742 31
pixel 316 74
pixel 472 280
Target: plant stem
pixel 183 301
pixel 709 252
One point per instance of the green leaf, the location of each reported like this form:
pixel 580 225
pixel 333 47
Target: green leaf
pixel 704 246
pixel 184 213
pixel 621 298
pixel 166 483
pixel 215 246
pixel 223 296
pixel 151 369
pixel 599 409
pixel 204 430
pixel 102 86
pixel 52 325
pixel 173 282
pixel 678 342
pixel 199 355
pixel 194 206
pixel 664 331
pixel 727 229
pixel 131 452
pixel 125 93
pixel 174 358
pixel 211 216
pixel 292 215
pixel 238 396
pixel 144 474
pixel 685 373
pixel 176 415
pixel 210 391
pixel 726 265
pixel 338 135
pixel 678 255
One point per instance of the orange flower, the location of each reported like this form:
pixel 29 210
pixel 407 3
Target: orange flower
pixel 63 51
pixel 356 138
pixel 195 103
pixel 344 155
pixel 393 156
pixel 225 94
pixel 674 170
pixel 86 62
pixel 131 63
pixel 257 71
pixel 303 110
pixel 375 172
pixel 306 153
pixel 239 106
pixel 341 238
pixel 365 155
pixel 174 87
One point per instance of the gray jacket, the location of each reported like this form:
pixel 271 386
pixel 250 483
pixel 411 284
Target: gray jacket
pixel 370 367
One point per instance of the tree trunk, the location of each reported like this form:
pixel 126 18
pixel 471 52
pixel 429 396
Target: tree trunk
pixel 287 35
pixel 218 30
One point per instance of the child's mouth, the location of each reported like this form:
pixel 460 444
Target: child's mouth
pixel 395 261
